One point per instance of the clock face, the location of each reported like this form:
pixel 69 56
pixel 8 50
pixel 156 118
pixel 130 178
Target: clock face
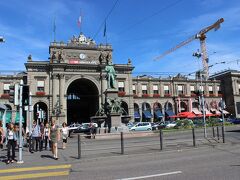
pixel 82 56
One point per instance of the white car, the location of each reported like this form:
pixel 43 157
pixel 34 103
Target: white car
pixel 74 126
pixel 171 124
pixel 142 126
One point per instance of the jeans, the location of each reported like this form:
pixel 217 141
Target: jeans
pixel 47 144
pixel 11 145
pixel 35 143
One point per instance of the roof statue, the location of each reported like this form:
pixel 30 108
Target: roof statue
pixel 82 40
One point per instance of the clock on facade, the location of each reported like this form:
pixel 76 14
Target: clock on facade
pixel 82 56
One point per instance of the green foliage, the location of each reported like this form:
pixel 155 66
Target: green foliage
pixel 184 123
pixel 213 121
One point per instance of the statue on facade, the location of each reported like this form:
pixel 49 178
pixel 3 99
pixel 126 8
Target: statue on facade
pixel 102 57
pixel 111 75
pixel 109 57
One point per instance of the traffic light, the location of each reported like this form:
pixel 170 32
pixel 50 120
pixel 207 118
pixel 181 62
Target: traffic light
pixel 13 94
pixel 25 96
pixel 2 39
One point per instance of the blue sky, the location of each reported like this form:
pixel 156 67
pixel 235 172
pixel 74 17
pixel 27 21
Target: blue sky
pixel 137 29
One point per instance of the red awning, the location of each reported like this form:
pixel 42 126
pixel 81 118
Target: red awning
pixel 186 115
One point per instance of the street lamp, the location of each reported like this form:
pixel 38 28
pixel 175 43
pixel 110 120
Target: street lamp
pixel 198 55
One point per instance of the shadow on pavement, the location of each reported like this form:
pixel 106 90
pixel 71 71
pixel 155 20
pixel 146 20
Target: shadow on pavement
pixel 238 131
pixel 47 156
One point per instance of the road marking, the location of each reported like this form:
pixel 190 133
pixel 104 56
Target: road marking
pixel 154 175
pixel 36 175
pixel 38 168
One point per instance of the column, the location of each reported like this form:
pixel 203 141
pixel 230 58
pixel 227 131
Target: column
pixel 55 89
pixel 61 91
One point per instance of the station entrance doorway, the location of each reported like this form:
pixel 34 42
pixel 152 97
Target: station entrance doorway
pixel 82 101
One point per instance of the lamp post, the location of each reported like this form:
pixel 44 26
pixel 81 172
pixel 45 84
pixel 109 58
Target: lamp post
pixel 199 55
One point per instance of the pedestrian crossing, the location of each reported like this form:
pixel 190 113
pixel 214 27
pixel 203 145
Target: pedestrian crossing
pixel 35 172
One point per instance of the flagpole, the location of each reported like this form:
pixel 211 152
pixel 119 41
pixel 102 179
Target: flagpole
pixel 80 28
pixel 105 31
pixel 54 29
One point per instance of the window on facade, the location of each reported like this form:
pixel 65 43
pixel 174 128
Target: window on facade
pixel 121 86
pixel 192 89
pixel 144 89
pixel 219 90
pixel 40 86
pixel 180 89
pixel 239 89
pixel 166 89
pixel 210 89
pixel 6 88
pixel 155 89
pixel 134 89
pixel 238 107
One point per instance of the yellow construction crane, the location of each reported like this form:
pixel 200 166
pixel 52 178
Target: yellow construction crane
pixel 201 35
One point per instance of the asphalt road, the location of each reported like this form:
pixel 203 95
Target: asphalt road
pixel 220 162
pixel 101 159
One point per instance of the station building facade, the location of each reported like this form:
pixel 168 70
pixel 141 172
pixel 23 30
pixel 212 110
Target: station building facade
pixel 70 86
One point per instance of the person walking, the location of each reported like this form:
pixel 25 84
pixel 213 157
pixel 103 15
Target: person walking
pixel 46 136
pixel 11 140
pixel 92 130
pixel 54 138
pixel 1 135
pixel 35 137
pixel 64 132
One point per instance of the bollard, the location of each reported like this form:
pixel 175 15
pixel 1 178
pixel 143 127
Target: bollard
pixel 161 139
pixel 213 131
pixel 122 143
pixel 194 139
pixel 223 134
pixel 217 132
pixel 79 146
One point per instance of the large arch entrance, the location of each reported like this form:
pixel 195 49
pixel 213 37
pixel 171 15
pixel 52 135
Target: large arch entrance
pixel 82 101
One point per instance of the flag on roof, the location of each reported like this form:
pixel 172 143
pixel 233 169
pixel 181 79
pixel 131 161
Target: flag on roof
pixel 79 21
pixel 105 29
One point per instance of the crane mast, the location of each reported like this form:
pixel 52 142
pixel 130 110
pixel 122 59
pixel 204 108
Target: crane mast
pixel 201 35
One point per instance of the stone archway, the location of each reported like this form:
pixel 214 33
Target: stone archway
pixel 124 105
pixel 82 100
pixel 137 116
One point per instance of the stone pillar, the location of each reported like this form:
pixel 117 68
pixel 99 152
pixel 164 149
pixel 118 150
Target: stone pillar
pixel 161 89
pixel 188 91
pixel 55 91
pixel 62 99
pixel 141 112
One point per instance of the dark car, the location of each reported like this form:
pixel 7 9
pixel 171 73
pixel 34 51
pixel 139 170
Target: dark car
pixel 85 128
pixel 234 120
pixel 158 125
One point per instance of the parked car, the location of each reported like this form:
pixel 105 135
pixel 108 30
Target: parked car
pixel 84 128
pixel 158 125
pixel 170 124
pixel 234 120
pixel 142 126
pixel 130 124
